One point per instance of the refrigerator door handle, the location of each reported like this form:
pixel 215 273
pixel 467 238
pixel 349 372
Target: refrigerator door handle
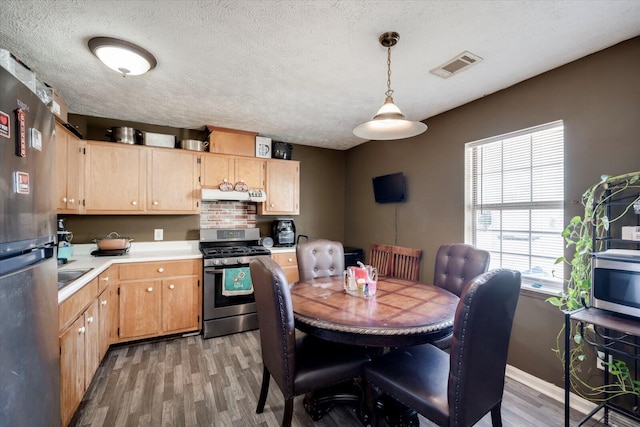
pixel 16 263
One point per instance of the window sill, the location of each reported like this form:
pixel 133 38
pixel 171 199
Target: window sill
pixel 540 287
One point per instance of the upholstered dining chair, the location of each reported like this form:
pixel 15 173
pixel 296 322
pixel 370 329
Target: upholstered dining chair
pixel 405 263
pixel 455 265
pixel 320 258
pixel 380 258
pixel 459 388
pixel 298 364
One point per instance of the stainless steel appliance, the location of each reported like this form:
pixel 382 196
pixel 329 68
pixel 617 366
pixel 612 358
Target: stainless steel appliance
pixel 616 281
pixel 29 350
pixel 228 302
pixel 283 231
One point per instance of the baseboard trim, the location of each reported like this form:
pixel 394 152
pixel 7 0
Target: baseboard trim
pixel 548 389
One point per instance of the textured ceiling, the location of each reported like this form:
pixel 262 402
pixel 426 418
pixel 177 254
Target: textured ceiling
pixel 305 72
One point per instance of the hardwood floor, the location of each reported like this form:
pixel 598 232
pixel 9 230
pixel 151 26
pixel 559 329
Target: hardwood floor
pixel 190 381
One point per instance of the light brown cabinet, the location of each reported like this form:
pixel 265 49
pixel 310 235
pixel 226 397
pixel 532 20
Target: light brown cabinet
pixel 173 181
pixel 69 166
pixel 289 263
pixel 79 322
pixel 115 178
pixel 283 188
pixel 159 298
pixel 216 168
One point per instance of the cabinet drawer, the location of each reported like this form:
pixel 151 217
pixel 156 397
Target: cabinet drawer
pixel 158 269
pixel 286 259
pixel 71 308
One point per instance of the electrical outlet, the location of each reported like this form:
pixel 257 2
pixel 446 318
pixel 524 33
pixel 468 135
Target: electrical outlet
pixel 158 234
pixel 600 360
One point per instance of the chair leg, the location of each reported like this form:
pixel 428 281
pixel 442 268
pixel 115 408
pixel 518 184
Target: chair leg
pixel 288 412
pixel 496 417
pixel 266 376
pixel 371 396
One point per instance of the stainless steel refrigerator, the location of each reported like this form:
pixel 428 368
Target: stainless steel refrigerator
pixel 29 349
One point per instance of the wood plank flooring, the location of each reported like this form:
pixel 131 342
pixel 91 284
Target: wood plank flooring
pixel 189 381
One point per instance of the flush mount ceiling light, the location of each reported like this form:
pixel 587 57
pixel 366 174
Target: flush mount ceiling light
pixel 389 122
pixel 121 56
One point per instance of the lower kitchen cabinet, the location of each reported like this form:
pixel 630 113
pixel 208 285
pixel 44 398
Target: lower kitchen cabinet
pixel 159 298
pixel 289 263
pixel 79 347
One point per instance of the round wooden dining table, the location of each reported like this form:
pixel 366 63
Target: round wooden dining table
pixel 401 313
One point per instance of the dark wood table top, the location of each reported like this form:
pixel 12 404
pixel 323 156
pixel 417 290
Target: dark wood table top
pixel 401 313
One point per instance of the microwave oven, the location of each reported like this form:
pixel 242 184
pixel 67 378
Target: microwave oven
pixel 615 281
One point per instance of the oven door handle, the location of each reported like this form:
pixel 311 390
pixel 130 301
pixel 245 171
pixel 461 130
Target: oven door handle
pixel 208 270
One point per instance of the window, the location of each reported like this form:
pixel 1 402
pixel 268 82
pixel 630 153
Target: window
pixel 514 202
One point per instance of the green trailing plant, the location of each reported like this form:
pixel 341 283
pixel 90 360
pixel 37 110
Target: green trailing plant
pixel 580 235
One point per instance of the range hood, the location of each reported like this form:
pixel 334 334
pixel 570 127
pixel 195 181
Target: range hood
pixel 253 195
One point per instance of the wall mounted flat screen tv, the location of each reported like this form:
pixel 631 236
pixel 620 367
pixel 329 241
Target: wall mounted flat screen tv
pixel 389 188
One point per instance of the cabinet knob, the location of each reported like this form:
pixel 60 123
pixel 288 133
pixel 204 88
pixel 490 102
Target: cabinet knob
pixel 155 203
pixel 271 205
pixel 172 286
pixel 103 302
pixel 106 279
pixel 90 319
pixel 290 259
pixel 81 330
pixel 72 200
pixel 64 200
pixel 149 289
pixel 134 203
pixel 161 270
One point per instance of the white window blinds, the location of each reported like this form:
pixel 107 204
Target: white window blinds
pixel 514 201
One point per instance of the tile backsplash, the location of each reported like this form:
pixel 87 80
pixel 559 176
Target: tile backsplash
pixel 228 214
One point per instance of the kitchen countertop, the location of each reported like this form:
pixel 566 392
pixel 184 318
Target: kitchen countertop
pixel 282 250
pixel 138 252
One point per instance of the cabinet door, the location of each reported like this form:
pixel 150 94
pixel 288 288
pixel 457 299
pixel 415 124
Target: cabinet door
pixel 72 369
pixel 289 263
pixel 140 308
pixel 115 178
pixel 68 171
pixel 216 168
pixel 283 188
pixel 251 171
pixel 91 342
pixel 173 181
pixel 103 324
pixel 180 304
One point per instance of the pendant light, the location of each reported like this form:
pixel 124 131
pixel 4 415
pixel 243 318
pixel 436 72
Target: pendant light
pixel 121 56
pixel 389 122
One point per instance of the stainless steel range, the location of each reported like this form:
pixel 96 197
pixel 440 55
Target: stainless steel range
pixel 228 302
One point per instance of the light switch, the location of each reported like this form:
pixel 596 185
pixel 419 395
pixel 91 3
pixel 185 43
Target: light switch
pixel 158 234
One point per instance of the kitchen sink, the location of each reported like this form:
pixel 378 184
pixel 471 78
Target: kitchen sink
pixel 67 276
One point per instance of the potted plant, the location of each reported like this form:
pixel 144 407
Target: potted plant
pixel 581 234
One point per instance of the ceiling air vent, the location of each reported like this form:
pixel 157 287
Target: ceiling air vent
pixel 455 65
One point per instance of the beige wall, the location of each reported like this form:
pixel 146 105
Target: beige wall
pixel 597 97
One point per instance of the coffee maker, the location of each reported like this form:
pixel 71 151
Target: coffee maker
pixel 283 231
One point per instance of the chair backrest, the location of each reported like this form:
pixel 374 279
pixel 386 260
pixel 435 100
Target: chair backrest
pixel 458 263
pixel 380 258
pixel 406 263
pixel 320 258
pixel 276 322
pixel 478 355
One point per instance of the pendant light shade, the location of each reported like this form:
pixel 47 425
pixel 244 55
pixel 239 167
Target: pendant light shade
pixel 121 56
pixel 389 123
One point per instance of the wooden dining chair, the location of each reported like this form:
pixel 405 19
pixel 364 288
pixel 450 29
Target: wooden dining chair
pixel 380 258
pixel 456 264
pixel 405 263
pixel 298 364
pixel 320 258
pixel 459 388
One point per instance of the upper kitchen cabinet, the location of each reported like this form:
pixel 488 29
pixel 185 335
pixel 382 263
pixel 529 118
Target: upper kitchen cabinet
pixel 173 183
pixel 218 167
pixel 283 188
pixel 132 179
pixel 69 166
pixel 115 178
